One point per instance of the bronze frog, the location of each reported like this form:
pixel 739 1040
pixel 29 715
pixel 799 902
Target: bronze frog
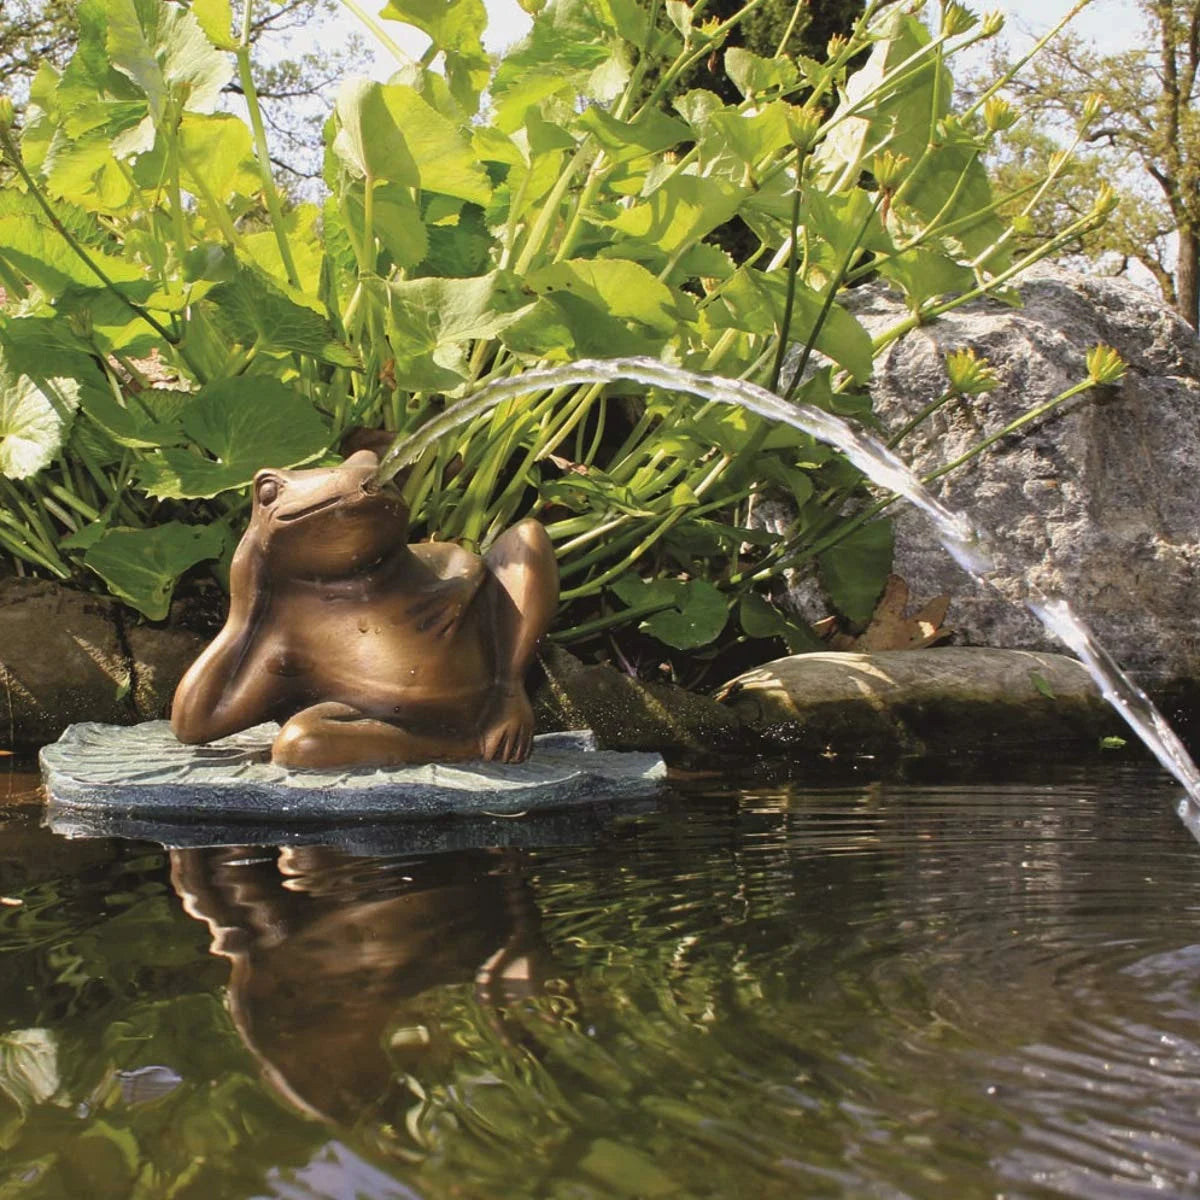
pixel 369 650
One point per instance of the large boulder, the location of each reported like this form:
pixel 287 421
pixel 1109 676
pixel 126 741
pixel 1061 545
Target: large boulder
pixel 1097 501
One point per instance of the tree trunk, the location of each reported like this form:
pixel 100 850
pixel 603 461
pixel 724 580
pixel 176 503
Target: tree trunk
pixel 1187 276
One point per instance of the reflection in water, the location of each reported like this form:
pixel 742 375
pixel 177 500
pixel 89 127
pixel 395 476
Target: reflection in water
pixel 924 992
pixel 333 957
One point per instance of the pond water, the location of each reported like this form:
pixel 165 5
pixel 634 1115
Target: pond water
pixel 887 990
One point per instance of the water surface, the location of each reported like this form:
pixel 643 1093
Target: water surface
pixel 779 991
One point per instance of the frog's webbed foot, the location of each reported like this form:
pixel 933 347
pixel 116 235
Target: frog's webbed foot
pixel 339 735
pixel 508 728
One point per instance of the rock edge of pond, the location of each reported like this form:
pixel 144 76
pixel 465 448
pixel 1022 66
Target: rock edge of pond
pixel 68 657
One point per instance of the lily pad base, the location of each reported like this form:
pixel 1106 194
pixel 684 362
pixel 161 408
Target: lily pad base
pixel 142 770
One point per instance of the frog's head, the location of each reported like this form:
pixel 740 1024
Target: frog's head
pixel 327 522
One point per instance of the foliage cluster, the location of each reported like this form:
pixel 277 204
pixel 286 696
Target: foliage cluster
pixel 172 325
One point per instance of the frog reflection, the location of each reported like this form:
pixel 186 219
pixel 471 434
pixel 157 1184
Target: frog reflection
pixel 371 651
pixel 339 964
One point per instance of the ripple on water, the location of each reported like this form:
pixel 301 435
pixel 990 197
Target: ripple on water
pixel 887 991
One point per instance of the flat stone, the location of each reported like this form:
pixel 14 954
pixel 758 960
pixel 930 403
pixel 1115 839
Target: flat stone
pixel 947 702
pixel 143 771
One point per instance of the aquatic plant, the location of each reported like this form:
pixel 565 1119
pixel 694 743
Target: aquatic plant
pixel 173 322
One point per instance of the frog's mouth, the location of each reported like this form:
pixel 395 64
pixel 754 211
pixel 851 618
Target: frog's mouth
pixel 308 510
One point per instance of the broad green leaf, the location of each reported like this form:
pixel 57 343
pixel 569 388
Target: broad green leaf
pixel 216 19
pixel 563 326
pixel 896 97
pixel 302 226
pixel 163 50
pixel 142 566
pixel 430 320
pixel 651 133
pixel 28 1066
pixel 923 274
pixel 397 223
pixel 618 287
pixel 242 424
pixel 698 620
pixel 35 415
pixel 752 74
pixel 755 302
pixel 86 172
pixel 216 148
pixel 854 570
pixel 148 420
pixel 683 210
pixel 387 131
pixel 751 136
pixel 696 617
pixel 573 49
pixel 456 28
pixel 41 254
pixel 260 312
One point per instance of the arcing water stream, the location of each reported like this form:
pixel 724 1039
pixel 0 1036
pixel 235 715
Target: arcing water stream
pixel 970 546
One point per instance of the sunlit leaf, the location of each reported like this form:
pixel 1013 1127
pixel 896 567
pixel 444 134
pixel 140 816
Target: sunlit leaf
pixel 387 131
pixel 683 210
pixel 456 28
pixel 35 415
pixel 238 426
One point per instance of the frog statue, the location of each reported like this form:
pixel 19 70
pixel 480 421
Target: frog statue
pixel 370 651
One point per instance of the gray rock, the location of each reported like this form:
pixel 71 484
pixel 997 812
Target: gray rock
pixel 1097 500
pixel 950 702
pixel 143 770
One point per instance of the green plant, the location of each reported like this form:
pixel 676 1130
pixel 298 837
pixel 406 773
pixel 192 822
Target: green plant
pixel 172 325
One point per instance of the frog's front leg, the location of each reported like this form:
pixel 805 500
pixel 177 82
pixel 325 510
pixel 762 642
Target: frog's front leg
pixel 522 596
pixel 332 734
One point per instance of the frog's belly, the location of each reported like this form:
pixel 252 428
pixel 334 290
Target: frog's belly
pixel 397 674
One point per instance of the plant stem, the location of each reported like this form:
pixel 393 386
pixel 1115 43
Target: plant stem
pixel 262 151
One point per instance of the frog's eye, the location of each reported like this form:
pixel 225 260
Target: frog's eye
pixel 268 490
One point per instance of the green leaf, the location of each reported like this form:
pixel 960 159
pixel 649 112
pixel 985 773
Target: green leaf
pixel 40 253
pixel 148 420
pixel 216 19
pixel 755 301
pixel 217 147
pixel 623 141
pixel 258 311
pixel 752 74
pixel 1113 743
pixel 244 424
pixel 751 136
pixel 35 415
pixel 431 320
pixel 142 566
pixel 28 1066
pixel 617 286
pixel 456 29
pixel 854 570
pixel 398 223
pixel 164 51
pixel 923 274
pixel 698 620
pixel 1042 685
pixel 387 131
pixel 681 211
pixel 87 173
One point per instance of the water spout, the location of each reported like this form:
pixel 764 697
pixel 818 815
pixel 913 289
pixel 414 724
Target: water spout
pixel 970 547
